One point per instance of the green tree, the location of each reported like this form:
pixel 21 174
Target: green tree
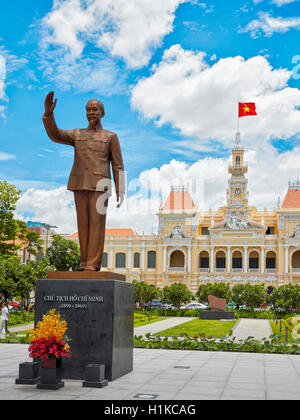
pixel 177 294
pixel 254 295
pixel 12 231
pixel 286 297
pixel 34 243
pixel 238 294
pixel 144 293
pixel 8 275
pixel 64 254
pixel 220 290
pixel 27 276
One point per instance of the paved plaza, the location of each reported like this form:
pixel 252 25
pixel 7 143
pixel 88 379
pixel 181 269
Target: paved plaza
pixel 175 374
pixel 171 375
pixel 257 328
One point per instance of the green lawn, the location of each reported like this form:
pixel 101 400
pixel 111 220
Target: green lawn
pixel 199 326
pixel 143 319
pixel 276 330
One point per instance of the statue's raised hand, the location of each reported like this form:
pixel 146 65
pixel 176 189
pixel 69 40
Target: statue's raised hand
pixel 49 104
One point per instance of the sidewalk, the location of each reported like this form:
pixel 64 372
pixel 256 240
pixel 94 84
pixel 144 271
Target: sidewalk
pixel 153 328
pixel 24 327
pixel 257 328
pixel 171 375
pixel 158 326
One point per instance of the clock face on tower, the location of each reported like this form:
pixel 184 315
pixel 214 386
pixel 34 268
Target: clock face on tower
pixel 237 191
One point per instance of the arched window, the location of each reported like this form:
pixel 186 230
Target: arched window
pixel 296 261
pixel 136 260
pixel 104 260
pixel 271 260
pixel 220 260
pixel 204 261
pixel 177 259
pixel 237 260
pixel 254 260
pixel 151 259
pixel 120 260
pixel 238 161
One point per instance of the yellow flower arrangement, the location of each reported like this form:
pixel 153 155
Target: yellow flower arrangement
pixel 52 326
pixel 48 338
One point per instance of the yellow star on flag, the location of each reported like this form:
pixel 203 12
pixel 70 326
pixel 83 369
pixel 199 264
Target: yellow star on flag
pixel 246 109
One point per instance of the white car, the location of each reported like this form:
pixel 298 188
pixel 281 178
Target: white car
pixel 194 306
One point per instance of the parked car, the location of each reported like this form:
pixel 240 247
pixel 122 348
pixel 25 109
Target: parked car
pixel 13 305
pixel 155 303
pixel 194 306
pixel 169 306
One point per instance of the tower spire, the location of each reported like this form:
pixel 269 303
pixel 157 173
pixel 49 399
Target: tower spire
pixel 237 144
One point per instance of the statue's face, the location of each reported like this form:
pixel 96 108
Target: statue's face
pixel 93 112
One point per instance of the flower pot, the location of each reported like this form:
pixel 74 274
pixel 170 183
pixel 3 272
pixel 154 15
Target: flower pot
pixel 51 374
pixel 51 363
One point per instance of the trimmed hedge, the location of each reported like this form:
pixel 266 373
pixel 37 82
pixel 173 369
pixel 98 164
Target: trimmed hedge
pixel 20 318
pixel 238 314
pixel 273 344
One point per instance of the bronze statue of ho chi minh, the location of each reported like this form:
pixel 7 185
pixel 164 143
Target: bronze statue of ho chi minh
pixel 95 149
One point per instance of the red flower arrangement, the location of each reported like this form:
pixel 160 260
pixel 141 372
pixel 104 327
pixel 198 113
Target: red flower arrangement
pixel 48 339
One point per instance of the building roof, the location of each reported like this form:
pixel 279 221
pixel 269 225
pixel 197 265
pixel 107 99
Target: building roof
pixel 292 199
pixel 121 232
pixel 179 199
pixel 117 232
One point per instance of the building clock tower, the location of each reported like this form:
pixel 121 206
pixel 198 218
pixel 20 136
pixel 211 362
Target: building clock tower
pixel 237 192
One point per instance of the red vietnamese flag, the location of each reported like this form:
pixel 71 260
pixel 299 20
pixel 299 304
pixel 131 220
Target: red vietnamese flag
pixel 247 108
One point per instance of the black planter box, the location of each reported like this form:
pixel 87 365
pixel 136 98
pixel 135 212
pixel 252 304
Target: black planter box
pixel 100 319
pixel 216 315
pixel 51 378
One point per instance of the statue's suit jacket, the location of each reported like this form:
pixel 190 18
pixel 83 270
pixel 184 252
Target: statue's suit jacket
pixel 94 152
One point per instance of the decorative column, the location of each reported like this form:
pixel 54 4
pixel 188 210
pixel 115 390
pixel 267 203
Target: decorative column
pixel 143 256
pixel 286 259
pixel 129 255
pixel 245 259
pixel 111 255
pixel 228 259
pixel 262 259
pixel 189 258
pixel 212 259
pixel 165 259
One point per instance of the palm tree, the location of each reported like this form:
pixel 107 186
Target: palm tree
pixel 34 243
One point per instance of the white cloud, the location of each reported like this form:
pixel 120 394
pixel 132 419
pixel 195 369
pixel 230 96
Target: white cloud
pixel 201 100
pixel 6 156
pixel 130 30
pixel 206 179
pixel 283 2
pixel 85 74
pixel 269 25
pixel 54 206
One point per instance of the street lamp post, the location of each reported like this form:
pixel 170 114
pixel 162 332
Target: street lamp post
pixel 48 227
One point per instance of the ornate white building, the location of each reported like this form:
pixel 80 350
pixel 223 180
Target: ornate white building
pixel 236 244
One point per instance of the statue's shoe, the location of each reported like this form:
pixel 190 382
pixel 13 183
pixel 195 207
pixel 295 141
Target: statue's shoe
pixel 90 268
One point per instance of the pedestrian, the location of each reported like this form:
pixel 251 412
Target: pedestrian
pixel 4 317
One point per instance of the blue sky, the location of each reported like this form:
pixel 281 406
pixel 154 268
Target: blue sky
pixel 170 75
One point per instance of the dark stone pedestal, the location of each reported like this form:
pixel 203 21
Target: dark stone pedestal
pixel 216 315
pixel 95 377
pixel 28 374
pixel 99 314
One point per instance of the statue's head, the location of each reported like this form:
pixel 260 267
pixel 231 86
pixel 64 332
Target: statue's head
pixel 94 111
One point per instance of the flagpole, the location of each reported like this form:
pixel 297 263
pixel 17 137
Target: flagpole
pixel 238 124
